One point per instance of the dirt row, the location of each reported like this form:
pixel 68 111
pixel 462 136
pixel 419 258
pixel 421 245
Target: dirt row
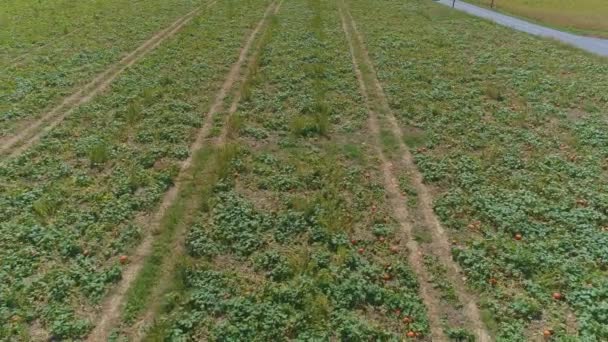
pixel 377 103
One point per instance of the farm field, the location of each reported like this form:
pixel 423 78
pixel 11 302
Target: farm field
pixel 582 16
pixel 515 134
pixel 48 49
pixel 76 200
pixel 301 170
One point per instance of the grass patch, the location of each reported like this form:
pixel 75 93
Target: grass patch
pixel 352 151
pixel 421 235
pixel 414 138
pixel 405 185
pixel 440 281
pixel 389 142
pixel 310 125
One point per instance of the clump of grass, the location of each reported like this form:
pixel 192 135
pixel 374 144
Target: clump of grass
pixel 230 9
pixel 274 21
pixel 316 23
pixel 310 125
pixel 148 96
pixel 165 81
pixel 246 91
pixel 494 93
pixel 322 124
pixel 319 307
pixel 253 68
pixel 44 208
pixel 423 236
pixel 352 151
pixel 234 125
pixel 488 319
pixel 99 154
pixel 222 161
pixel 134 112
pixel 317 122
pixel 459 334
pixel 388 140
pixel 405 185
pixel 298 259
pixel 414 137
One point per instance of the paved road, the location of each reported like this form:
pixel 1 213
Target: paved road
pixel 594 45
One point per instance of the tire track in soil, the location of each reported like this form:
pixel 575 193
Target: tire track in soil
pixel 112 306
pixel 397 200
pixel 440 245
pixel 138 331
pixel 30 133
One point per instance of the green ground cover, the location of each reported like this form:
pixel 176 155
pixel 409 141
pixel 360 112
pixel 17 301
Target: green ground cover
pixel 68 205
pixel 516 144
pixel 289 231
pixel 294 241
pixel 103 32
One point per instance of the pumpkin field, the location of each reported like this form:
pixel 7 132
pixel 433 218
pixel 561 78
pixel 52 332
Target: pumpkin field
pixel 310 170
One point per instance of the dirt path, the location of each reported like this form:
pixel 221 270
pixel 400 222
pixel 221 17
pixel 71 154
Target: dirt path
pixel 112 306
pixel 439 245
pixel 30 132
pixel 138 330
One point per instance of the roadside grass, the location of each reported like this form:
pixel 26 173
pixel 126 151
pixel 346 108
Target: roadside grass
pixel 586 17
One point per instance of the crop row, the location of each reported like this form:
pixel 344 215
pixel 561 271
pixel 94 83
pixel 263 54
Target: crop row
pixel 515 144
pixel 35 79
pixel 296 240
pixel 69 206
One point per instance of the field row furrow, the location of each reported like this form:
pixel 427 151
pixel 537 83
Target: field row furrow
pixel 385 128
